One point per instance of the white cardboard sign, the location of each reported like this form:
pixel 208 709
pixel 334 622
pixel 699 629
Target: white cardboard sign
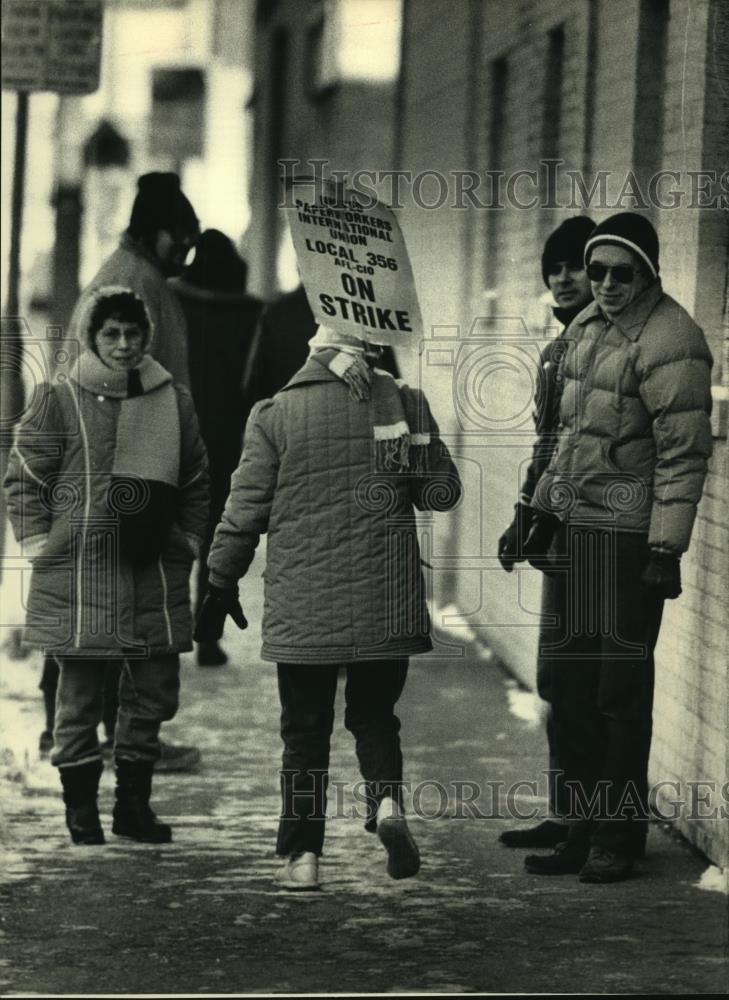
pixel 353 263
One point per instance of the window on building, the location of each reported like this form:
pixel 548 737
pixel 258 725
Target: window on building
pixel 650 89
pixel 353 40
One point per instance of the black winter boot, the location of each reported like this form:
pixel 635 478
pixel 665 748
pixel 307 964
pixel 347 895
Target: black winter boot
pixel 80 788
pixel 132 814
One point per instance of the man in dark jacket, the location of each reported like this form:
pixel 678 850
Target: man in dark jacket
pixel 221 321
pixel 614 512
pixel 563 270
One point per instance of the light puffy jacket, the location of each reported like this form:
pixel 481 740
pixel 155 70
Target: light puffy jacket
pixel 635 436
pixel 343 579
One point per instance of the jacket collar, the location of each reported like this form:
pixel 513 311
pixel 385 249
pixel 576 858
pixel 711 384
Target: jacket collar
pixel 633 318
pixel 135 247
pixel 311 371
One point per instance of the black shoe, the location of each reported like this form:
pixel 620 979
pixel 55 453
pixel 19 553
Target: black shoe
pixel 209 654
pixel 84 825
pixel 132 815
pixel 80 788
pixel 604 865
pixel 567 859
pixel 45 743
pixel 545 834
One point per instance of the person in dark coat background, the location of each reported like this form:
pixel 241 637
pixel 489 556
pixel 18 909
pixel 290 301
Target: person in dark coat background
pixel 221 322
pixel 563 271
pixel 281 346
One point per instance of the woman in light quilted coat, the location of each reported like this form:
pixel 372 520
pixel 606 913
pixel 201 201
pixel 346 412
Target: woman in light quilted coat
pixel 107 492
pixel 617 505
pixel 332 469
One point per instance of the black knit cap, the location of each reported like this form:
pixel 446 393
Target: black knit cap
pixel 160 204
pixel 567 242
pixel 217 266
pixel 629 230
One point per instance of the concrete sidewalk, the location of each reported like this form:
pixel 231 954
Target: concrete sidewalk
pixel 202 915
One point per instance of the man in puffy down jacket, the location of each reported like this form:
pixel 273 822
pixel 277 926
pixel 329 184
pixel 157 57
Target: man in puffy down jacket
pixel 615 510
pixel 332 468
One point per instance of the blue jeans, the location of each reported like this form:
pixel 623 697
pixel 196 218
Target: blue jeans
pixel 148 696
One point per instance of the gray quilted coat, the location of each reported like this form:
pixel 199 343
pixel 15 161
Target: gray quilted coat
pixel 343 579
pixel 635 435
pixel 84 599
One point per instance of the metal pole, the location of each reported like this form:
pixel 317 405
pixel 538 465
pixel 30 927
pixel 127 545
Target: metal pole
pixel 11 328
pixel 16 216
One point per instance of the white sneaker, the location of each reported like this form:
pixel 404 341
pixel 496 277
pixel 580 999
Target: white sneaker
pixel 300 873
pixel 403 857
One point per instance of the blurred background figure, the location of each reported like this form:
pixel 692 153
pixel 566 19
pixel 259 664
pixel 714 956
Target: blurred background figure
pixel 162 230
pixel 221 322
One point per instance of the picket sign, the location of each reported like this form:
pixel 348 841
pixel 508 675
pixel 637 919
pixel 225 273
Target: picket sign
pixel 353 263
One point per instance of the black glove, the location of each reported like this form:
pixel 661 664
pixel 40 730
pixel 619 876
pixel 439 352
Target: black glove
pixel 216 606
pixel 663 574
pixel 544 528
pixel 512 541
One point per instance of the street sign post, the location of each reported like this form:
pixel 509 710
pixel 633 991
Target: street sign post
pixel 52 45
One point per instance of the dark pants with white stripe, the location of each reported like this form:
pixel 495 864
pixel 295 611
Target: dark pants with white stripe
pixel 307 692
pixel 601 675
pixel 148 696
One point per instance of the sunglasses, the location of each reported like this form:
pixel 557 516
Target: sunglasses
pixel 623 273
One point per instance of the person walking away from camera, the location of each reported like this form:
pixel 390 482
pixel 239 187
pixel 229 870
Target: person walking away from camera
pixel 332 468
pixel 563 271
pixel 107 494
pixel 615 512
pixel 221 321
pixel 162 229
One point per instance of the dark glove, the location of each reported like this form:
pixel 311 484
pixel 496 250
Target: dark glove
pixel 541 534
pixel 216 606
pixel 663 574
pixel 512 541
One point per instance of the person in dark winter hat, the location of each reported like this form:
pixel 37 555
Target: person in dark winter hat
pixel 111 518
pixel 613 513
pixel 221 322
pixel 163 220
pixel 162 230
pixel 563 271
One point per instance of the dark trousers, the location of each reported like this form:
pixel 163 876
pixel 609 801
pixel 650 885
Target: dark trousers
pixel 601 675
pixel 307 692
pixel 148 696
pixel 49 687
pixel 558 804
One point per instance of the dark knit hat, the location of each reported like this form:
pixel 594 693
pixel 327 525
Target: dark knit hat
pixel 160 204
pixel 217 266
pixel 630 230
pixel 567 242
